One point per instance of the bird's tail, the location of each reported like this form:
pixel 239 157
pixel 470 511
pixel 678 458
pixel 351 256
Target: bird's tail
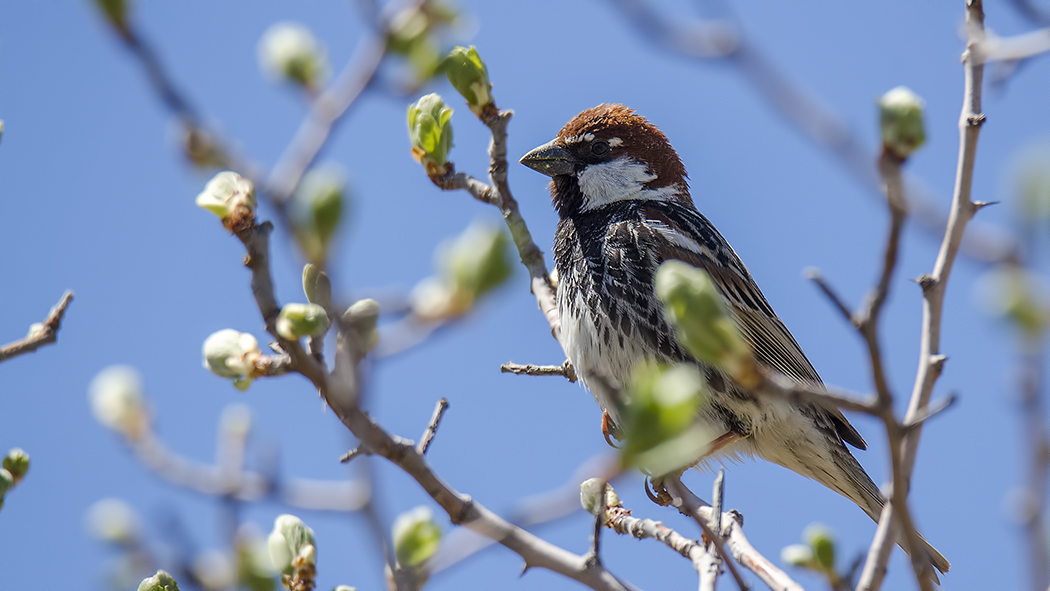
pixel 869 498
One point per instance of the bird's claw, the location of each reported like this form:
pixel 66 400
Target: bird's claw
pixel 657 492
pixel 609 429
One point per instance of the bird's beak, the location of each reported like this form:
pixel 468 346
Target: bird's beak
pixel 550 159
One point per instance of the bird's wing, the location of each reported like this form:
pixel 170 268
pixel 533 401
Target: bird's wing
pixel 684 234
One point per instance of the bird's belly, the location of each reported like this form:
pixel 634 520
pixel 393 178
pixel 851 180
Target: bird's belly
pixel 602 359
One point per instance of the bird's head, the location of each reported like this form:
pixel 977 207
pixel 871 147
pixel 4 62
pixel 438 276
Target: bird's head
pixel 609 154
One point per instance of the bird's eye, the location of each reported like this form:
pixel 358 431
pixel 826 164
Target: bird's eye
pixel 600 148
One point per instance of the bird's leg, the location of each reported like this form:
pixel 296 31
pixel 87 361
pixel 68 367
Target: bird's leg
pixel 657 492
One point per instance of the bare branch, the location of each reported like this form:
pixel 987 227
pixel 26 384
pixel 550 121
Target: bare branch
pixel 243 485
pixel 432 427
pixel 930 359
pixel 734 539
pixel 327 111
pixel 351 455
pixel 1019 47
pixel 621 521
pixel 341 391
pixel 931 411
pixel 815 276
pixel 538 509
pixel 710 41
pixel 565 370
pixel 498 194
pixel 45 334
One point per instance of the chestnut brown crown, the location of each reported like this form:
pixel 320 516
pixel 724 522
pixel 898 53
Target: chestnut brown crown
pixel 626 133
pixel 608 154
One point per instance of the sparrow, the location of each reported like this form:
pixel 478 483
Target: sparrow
pixel 622 197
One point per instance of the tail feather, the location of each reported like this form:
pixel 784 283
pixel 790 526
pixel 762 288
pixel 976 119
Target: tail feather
pixel 871 500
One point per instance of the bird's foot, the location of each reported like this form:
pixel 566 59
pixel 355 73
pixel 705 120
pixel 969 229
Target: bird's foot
pixel 657 492
pixel 609 429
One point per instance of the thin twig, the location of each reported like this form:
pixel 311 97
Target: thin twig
pixel 538 509
pixel 735 542
pixel 595 553
pixel 1016 48
pixel 565 370
pixel 46 334
pixel 815 276
pixel 1037 441
pixel 326 113
pixel 432 427
pixel 620 520
pixel 341 390
pixel 351 455
pixel 709 41
pixel 245 485
pixel 934 409
pixel 678 489
pixel 712 565
pixel 933 287
pixel 498 193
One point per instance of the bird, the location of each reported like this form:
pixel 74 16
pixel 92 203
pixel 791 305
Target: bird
pixel 622 197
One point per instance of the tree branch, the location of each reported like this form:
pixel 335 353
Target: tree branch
pixel 565 370
pixel 731 537
pixel 432 427
pixel 45 334
pixel 933 287
pixel 340 390
pixel 217 480
pixel 710 41
pixel 498 193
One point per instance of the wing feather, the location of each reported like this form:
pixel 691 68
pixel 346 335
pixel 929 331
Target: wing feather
pixel 689 237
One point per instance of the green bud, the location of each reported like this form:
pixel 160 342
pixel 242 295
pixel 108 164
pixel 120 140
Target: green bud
pixel 289 51
pixel 469 266
pixel 693 305
pixel 232 354
pixel 344 588
pixel 798 555
pixel 255 570
pixel 412 36
pixel 360 321
pixel 416 536
pixel 7 481
pixel 822 541
pixel 317 207
pixel 430 133
pixel 900 121
pixel 17 463
pixel 289 540
pixel 470 77
pixel 660 426
pixel 1031 180
pixel 317 286
pixel 591 497
pixel 302 320
pixel 117 400
pixel 478 259
pixel 215 569
pixel 113 520
pixel 161 581
pixel 116 12
pixel 1 129
pixel 1018 296
pixel 226 194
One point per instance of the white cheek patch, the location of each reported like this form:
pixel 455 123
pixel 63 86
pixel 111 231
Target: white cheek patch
pixel 623 179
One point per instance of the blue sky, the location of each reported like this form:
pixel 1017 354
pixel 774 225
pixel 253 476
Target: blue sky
pixel 95 198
